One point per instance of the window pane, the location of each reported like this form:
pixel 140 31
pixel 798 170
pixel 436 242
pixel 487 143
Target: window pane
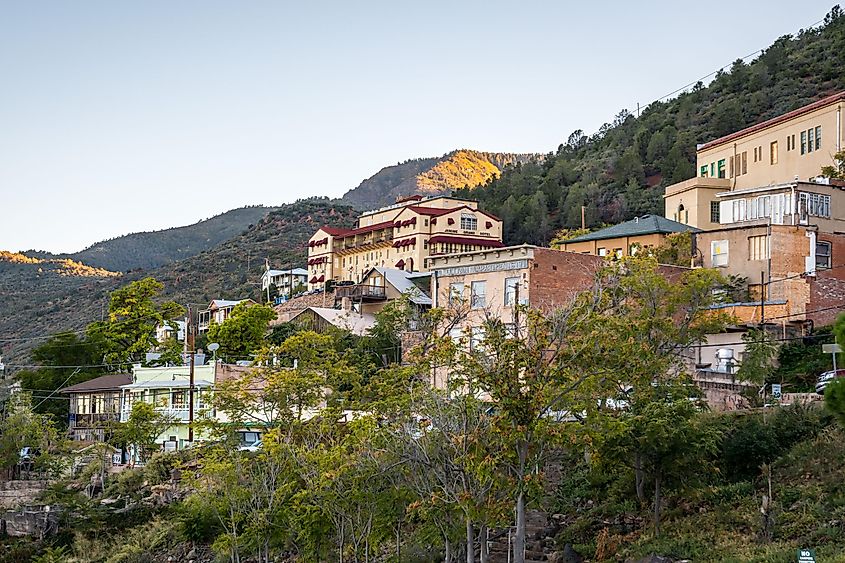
pixel 818 137
pixel 479 294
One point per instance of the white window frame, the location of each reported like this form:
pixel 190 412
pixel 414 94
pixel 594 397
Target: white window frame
pixel 469 222
pixel 478 299
pixel 510 290
pixel 721 258
pixel 456 292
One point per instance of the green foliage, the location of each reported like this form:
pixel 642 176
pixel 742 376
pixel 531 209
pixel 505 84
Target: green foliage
pixel 133 317
pixel 52 555
pixel 19 427
pixel 141 429
pixel 758 360
pixel 837 170
pixel 801 361
pixel 834 399
pixel 242 333
pixel 621 171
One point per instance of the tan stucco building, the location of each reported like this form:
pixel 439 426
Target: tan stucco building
pixel 784 153
pixel 624 239
pixel 400 236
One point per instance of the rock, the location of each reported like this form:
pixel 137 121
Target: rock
pixel 568 555
pixel 192 554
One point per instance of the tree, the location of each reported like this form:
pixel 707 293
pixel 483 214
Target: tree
pixel 129 331
pixel 141 430
pixel 20 427
pixel 837 170
pixel 758 360
pixel 243 332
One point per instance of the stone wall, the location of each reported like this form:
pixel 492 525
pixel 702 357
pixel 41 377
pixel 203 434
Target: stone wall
pixel 18 493
pixel 32 521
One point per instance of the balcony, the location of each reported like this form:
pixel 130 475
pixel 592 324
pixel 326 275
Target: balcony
pixel 176 414
pixel 361 292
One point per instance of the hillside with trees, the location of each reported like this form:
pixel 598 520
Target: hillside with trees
pixel 44 296
pixel 152 249
pixel 621 171
pixel 431 176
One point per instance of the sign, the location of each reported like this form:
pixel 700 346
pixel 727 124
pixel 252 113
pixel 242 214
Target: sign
pixel 776 391
pixel 806 556
pixel 483 268
pixel 831 348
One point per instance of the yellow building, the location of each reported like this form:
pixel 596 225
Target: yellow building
pixel 784 152
pixel 400 236
pixel 648 231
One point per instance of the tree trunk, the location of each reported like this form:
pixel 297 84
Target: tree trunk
pixel 519 533
pixel 482 534
pixel 470 541
pixel 657 478
pixel 448 558
pixel 640 478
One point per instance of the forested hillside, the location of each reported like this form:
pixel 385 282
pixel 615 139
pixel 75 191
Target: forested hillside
pixel 431 176
pixel 45 296
pixel 621 171
pixel 155 248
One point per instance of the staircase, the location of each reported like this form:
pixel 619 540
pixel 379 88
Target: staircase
pixel 537 544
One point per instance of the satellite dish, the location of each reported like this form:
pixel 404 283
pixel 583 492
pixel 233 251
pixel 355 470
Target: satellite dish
pixel 214 346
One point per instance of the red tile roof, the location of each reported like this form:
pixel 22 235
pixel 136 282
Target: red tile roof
pixel 775 120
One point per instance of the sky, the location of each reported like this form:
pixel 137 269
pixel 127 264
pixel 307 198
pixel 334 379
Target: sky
pixel 119 117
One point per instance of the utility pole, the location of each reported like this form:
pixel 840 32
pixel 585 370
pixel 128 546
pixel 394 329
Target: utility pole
pixel 189 343
pixel 762 299
pixel 583 217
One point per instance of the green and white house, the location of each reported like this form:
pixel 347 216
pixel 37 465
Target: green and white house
pixel 168 390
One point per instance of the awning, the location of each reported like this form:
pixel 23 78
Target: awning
pixel 321 279
pixel 400 264
pixel 451 221
pixel 488 225
pixel 396 243
pixel 489 243
pixel 313 280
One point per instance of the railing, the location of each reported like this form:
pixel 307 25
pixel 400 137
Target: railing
pixel 360 291
pixel 175 414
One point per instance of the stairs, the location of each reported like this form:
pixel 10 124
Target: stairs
pixel 537 544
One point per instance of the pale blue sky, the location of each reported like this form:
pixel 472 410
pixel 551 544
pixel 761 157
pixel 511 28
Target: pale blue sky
pixel 120 116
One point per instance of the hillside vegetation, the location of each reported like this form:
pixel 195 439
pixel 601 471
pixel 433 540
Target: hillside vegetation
pixel 44 296
pixel 431 176
pixel 155 248
pixel 621 171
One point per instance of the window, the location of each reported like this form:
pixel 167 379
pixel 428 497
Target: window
pixel 758 247
pixel 773 152
pixel 704 171
pixel 818 138
pixel 719 253
pixel 720 168
pixel 823 257
pixel 745 162
pixel 755 154
pixel 479 294
pixel 815 205
pixel 790 142
pixel 602 251
pixel 731 167
pixel 468 222
pixel 811 138
pixel 456 333
pixel 511 288
pixel 803 142
pixel 714 212
pixel 712 169
pixel 456 293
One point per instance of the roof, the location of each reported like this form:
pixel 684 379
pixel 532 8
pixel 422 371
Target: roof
pixel 438 211
pixel 401 280
pixel 356 323
pixel 220 303
pixel 775 120
pixel 493 243
pixel 645 225
pixel 333 231
pixel 295 272
pixel 111 382
pixel 167 383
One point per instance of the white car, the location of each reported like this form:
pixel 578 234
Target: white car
pixel 826 378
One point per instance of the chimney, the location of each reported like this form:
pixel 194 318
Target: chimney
pixel 346 304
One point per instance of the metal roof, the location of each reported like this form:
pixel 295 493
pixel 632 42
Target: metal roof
pixel 645 225
pixel 111 382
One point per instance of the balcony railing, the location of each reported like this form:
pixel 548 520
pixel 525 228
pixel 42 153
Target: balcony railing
pixel 361 292
pixel 177 415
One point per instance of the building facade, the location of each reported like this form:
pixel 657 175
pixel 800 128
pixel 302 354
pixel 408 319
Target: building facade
pixel 626 238
pixel 400 236
pixel 217 312
pixel 94 406
pixel 168 390
pixel 286 281
pixel 785 153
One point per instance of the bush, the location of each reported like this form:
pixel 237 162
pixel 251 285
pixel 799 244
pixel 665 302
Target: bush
pixel 197 521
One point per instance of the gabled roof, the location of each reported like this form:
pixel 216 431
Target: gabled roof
pixel 295 272
pixel 111 382
pixel 356 323
pixel 401 281
pixel 222 303
pixel 775 120
pixel 645 225
pixel 333 231
pixel 438 211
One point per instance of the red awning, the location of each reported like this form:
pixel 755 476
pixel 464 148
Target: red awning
pixel 396 243
pixel 489 243
pixel 311 243
pixel 321 279
pixel 434 220
pixel 400 264
pixel 488 224
pixel 397 224
pixel 313 280
pixel 451 221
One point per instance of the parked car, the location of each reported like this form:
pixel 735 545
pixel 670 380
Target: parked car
pixel 826 378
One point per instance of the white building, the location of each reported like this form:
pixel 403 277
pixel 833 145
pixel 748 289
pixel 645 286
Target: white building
pixel 218 311
pixel 285 280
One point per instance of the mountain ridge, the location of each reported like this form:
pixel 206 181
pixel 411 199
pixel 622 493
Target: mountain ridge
pixel 432 176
